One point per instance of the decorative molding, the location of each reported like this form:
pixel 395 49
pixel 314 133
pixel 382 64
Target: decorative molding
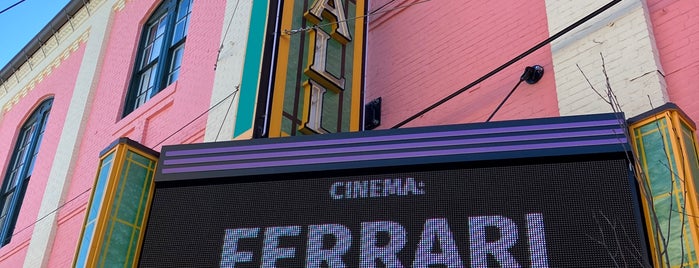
pixel 45 72
pixel 119 5
pixel 21 77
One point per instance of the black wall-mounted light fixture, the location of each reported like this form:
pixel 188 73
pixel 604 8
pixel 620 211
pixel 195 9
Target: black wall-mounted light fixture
pixel 372 114
pixel 532 74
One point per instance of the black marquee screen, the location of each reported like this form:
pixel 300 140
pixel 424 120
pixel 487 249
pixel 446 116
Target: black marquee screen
pixel 565 214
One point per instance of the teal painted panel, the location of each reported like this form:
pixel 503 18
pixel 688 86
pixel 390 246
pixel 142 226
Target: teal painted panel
pixel 666 187
pixel 127 209
pixel 139 159
pixel 117 245
pixel 145 197
pixel 693 162
pixel 251 68
pixel 659 175
pixel 692 159
pixel 130 193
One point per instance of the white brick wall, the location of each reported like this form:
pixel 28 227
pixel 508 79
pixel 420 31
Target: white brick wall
pixel 624 37
pixel 229 71
pixel 44 232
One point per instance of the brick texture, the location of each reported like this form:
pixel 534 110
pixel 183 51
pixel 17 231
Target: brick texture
pixel 59 85
pixel 170 117
pixel 621 35
pixel 419 52
pixel 676 28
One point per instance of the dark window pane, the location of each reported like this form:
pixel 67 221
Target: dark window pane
pixel 176 64
pixel 20 170
pixel 182 21
pixel 160 52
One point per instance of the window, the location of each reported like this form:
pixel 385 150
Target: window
pixel 20 169
pixel 160 53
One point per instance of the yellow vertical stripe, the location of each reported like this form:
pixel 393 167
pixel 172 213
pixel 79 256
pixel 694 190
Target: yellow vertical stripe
pixel 690 208
pixel 357 75
pixel 648 206
pixel 275 121
pixel 146 209
pixel 105 209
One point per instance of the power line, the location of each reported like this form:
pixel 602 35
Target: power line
pixel 381 7
pixel 504 100
pixel 199 116
pixel 510 62
pixel 223 122
pixel 10 7
pixel 225 34
pixel 376 11
pixel 53 211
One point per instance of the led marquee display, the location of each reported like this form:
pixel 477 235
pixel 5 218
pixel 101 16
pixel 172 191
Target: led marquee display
pixel 556 208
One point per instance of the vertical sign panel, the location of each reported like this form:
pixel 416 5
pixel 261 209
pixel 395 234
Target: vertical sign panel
pixel 664 139
pixel 113 227
pixel 318 77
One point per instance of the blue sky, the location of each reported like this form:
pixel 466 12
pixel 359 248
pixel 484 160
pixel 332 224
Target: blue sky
pixel 21 23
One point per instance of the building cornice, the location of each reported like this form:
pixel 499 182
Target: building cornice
pixel 46 51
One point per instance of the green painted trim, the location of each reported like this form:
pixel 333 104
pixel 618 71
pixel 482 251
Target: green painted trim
pixel 251 69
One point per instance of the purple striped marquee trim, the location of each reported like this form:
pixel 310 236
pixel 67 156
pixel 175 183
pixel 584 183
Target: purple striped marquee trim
pixel 374 148
pixel 234 148
pixel 388 156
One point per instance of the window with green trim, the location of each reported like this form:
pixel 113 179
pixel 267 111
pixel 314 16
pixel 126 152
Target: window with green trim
pixel 20 169
pixel 160 53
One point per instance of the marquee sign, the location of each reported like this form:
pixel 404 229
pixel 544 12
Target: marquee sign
pixel 318 73
pixel 551 192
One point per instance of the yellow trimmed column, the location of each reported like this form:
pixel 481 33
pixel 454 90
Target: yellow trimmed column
pixel 118 208
pixel 664 140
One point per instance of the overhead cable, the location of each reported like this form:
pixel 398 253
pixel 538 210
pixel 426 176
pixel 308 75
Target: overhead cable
pixel 10 7
pixel 510 62
pixel 376 11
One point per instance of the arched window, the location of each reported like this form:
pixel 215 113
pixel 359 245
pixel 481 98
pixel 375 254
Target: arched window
pixel 20 169
pixel 160 53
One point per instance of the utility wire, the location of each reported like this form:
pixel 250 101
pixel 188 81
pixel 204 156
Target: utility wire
pixel 529 75
pixel 199 116
pixel 223 40
pixel 223 122
pixel 504 100
pixel 53 211
pixel 507 64
pixel 10 7
pixel 88 190
pixel 376 11
pixel 381 7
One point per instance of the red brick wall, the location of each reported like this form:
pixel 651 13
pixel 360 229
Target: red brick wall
pixel 418 54
pixel 58 84
pixel 151 124
pixel 676 29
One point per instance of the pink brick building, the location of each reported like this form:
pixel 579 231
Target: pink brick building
pixel 164 72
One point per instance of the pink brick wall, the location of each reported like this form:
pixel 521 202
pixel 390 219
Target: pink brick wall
pixel 150 124
pixel 418 54
pixel 58 84
pixel 676 29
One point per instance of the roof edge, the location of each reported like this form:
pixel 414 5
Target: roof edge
pixel 47 32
